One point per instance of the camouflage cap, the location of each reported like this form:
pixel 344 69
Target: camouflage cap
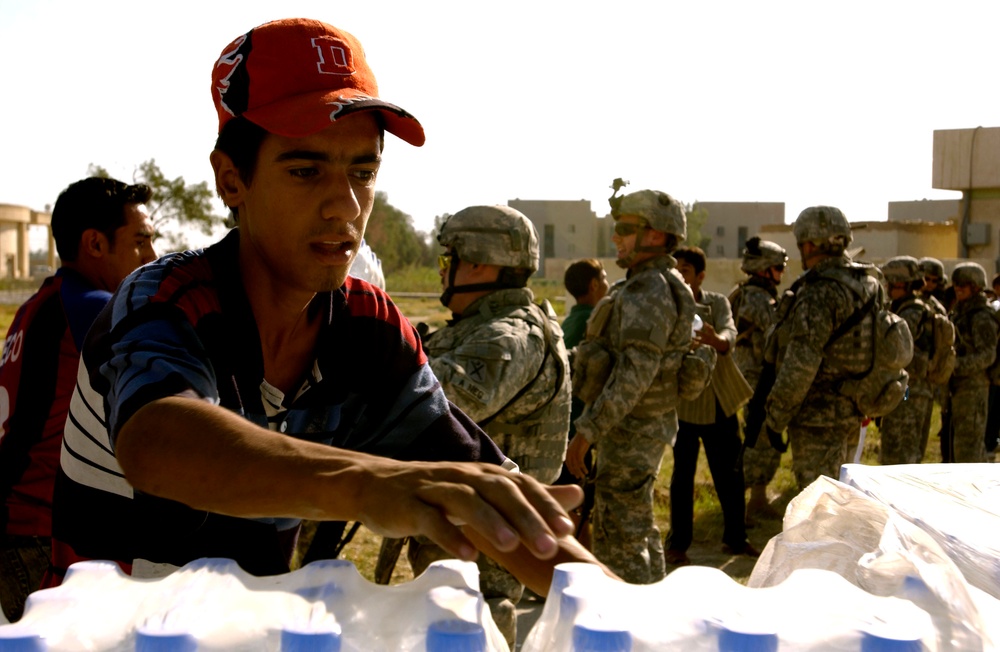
pixel 969 274
pixel 661 211
pixel 492 235
pixel 761 255
pixel 824 225
pixel 902 269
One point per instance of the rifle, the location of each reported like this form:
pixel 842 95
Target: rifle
pixel 754 411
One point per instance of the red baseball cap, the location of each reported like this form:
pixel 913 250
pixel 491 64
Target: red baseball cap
pixel 294 77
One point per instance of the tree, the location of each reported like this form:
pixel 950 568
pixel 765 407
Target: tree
pixel 696 217
pixel 391 235
pixel 176 206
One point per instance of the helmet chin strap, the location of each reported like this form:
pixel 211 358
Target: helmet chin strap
pixel 453 289
pixel 638 248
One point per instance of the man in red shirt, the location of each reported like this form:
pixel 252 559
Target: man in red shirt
pixel 102 233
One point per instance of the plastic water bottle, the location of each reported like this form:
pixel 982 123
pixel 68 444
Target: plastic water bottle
pixel 15 639
pixel 295 640
pixel 696 325
pixel 158 641
pixel 456 636
pixel 595 638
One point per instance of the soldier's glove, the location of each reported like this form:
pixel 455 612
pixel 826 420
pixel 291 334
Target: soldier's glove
pixel 777 441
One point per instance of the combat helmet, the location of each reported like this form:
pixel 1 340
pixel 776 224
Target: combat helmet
pixel 902 269
pixel 969 274
pixel 761 255
pixel 661 211
pixel 932 267
pixel 825 226
pixel 658 210
pixel 490 235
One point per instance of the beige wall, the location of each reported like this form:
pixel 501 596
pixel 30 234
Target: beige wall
pixel 925 210
pixel 969 160
pixel 14 241
pixel 730 224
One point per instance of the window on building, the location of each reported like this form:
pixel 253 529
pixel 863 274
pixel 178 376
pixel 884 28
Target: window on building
pixel 572 228
pixel 720 230
pixel 741 238
pixel 720 250
pixel 549 250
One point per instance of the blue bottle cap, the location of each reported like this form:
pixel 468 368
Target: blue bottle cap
pixel 164 642
pixel 301 641
pixel 736 641
pixel 21 642
pixel 593 639
pixel 456 636
pixel 871 642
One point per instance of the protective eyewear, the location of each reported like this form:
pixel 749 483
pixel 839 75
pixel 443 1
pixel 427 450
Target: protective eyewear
pixel 624 229
pixel 444 260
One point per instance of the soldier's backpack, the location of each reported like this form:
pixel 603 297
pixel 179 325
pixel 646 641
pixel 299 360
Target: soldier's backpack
pixel 877 390
pixel 942 356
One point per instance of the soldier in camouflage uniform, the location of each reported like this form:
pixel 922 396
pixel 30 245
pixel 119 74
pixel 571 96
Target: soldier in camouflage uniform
pixel 502 361
pixel 643 327
pixel 810 368
pixel 937 294
pixel 753 303
pixel 976 347
pixel 904 431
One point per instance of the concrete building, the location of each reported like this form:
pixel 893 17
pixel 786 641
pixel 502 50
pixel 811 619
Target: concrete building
pixel 924 210
pixel 968 160
pixel 731 224
pixel 15 250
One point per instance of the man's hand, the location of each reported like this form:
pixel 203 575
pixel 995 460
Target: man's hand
pixel 436 500
pixel 576 454
pixel 708 336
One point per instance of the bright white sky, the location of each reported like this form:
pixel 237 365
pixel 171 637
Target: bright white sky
pixel 800 102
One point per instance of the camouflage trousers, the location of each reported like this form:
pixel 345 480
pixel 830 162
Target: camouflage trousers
pixel 501 590
pixel 821 450
pixel 905 431
pixel 760 462
pixel 969 406
pixel 625 536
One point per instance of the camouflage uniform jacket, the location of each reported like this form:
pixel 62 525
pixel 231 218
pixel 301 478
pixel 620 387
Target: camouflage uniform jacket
pixel 918 317
pixel 809 367
pixel 504 364
pixel 647 335
pixel 753 303
pixel 975 341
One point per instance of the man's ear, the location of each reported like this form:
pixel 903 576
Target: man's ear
pixel 228 183
pixel 94 244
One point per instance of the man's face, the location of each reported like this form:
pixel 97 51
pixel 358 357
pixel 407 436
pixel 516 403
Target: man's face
pixel 132 248
pixel 599 286
pixel 964 291
pixel 688 273
pixel 931 283
pixel 304 213
pixel 628 230
pixel 897 290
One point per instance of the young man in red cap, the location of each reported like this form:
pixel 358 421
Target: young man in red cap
pixel 228 393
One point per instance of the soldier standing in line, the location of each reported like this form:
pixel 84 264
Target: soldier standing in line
pixel 753 304
pixel 904 431
pixel 976 348
pixel 640 333
pixel 937 294
pixel 502 361
pixel 810 364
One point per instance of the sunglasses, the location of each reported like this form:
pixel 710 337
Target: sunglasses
pixel 625 229
pixel 444 260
